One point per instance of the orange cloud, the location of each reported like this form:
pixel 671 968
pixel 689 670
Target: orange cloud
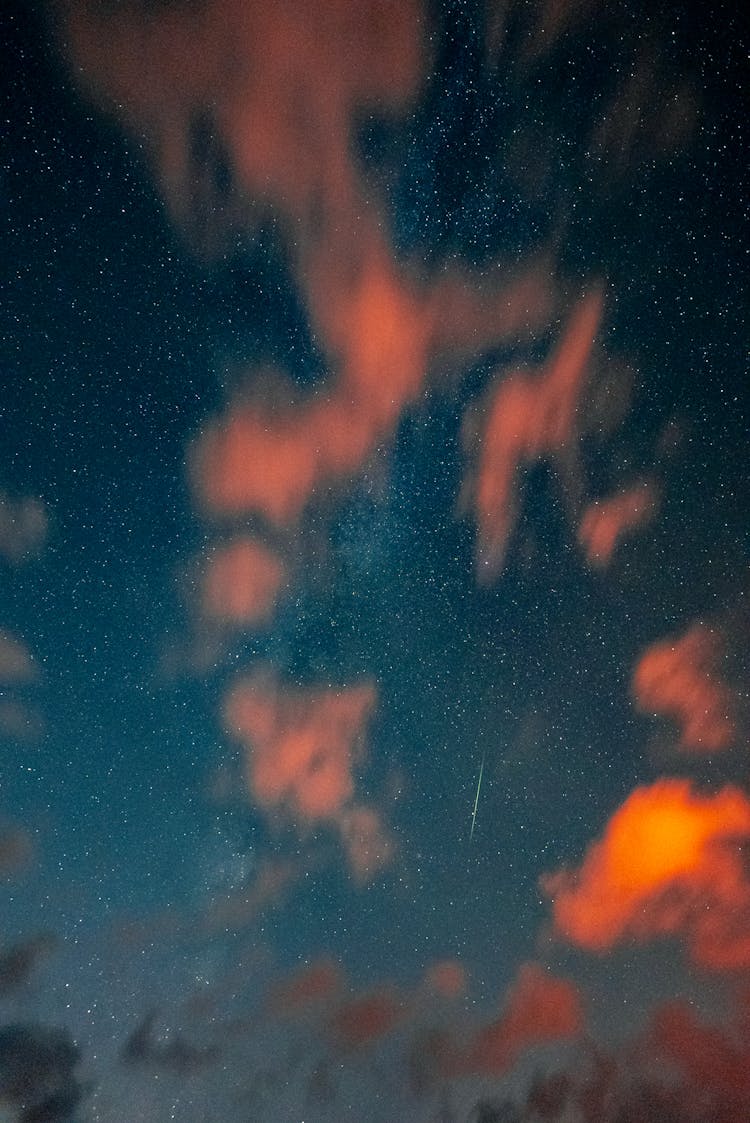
pixel 23 528
pixel 278 88
pixel 679 678
pixel 447 978
pixel 528 418
pixel 265 100
pixel 669 863
pixel 309 986
pixel 605 521
pixel 363 1020
pixel 242 583
pixel 271 453
pixel 300 743
pixel 705 1055
pixel 539 1008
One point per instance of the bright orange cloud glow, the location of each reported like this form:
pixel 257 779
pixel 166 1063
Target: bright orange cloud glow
pixel 529 418
pixel 669 863
pixel 242 583
pixel 680 678
pixel 300 744
pixel 606 521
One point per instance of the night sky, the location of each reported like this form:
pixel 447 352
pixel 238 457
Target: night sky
pixel 374 660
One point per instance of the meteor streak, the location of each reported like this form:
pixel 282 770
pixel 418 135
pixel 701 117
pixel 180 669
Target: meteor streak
pixel 476 799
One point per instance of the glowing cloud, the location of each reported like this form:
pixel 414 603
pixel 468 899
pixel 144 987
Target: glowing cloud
pixel 606 521
pixel 669 863
pixel 364 1019
pixel 300 744
pixel 529 418
pixel 242 583
pixel 315 983
pixel 679 678
pixel 539 1008
pixel 447 978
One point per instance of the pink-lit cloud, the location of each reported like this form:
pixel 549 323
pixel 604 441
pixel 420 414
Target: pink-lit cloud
pixel 539 1008
pixel 528 418
pixel 301 744
pixel 681 678
pixel 605 522
pixel 242 582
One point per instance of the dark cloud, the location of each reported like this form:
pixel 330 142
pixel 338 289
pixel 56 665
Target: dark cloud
pixel 38 1073
pixel 173 1053
pixel 19 960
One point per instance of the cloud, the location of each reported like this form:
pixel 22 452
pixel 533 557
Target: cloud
pixel 680 678
pixel 606 521
pixel 367 841
pixel 678 1069
pixel 712 1059
pixel 242 583
pixel 175 1054
pixel 18 962
pixel 539 1008
pixel 446 977
pixel 300 744
pixel 16 664
pixel 18 722
pixel 23 528
pixel 366 1018
pixel 313 984
pixel 37 1073
pixel 527 418
pixel 274 451
pixel 669 863
pixel 16 850
pixel 278 89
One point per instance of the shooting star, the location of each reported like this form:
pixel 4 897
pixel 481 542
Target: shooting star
pixel 476 799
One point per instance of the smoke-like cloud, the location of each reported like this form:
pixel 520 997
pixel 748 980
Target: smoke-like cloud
pixel 242 583
pixel 539 1008
pixel 38 1078
pixel 365 1018
pixel 300 744
pixel 680 678
pixel 16 850
pixel 527 418
pixel 307 988
pixel 18 962
pixel 669 863
pixel 23 528
pixel 605 522
pixel 16 665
